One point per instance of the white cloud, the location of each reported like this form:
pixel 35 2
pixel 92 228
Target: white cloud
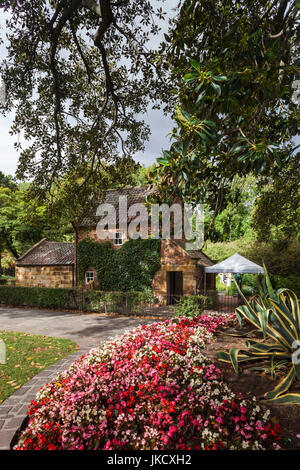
pixel 160 126
pixel 8 154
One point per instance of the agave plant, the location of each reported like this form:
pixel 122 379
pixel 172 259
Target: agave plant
pixel 277 316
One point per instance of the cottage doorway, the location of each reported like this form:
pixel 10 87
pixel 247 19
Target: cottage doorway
pixel 174 286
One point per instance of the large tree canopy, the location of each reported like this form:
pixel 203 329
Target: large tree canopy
pixel 277 209
pixel 235 65
pixel 79 74
pixel 22 222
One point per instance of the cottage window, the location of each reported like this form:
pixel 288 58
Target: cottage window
pixel 118 239
pixel 89 276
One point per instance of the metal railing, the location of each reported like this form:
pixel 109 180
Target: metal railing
pixel 162 306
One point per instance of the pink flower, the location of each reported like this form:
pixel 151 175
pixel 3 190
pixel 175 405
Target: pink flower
pixel 141 390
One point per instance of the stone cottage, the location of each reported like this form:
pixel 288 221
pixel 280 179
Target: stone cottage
pixel 46 264
pixel 51 264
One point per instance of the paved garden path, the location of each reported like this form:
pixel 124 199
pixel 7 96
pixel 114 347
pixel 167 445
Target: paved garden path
pixel 87 331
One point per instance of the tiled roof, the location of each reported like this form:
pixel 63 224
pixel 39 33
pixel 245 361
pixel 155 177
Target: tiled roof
pixel 202 259
pixel 47 253
pixel 136 195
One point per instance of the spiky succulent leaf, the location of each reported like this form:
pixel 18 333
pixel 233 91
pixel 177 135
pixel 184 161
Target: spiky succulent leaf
pixel 287 399
pixel 282 386
pixel 277 315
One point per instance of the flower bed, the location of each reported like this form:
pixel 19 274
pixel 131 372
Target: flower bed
pixel 149 389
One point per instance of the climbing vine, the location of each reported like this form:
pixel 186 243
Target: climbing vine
pixel 131 267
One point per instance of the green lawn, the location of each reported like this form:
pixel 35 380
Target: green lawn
pixel 26 356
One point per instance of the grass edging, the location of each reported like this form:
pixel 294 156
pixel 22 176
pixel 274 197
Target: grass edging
pixel 26 356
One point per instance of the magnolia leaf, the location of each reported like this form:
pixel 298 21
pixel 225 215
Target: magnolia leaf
pixel 194 63
pixel 216 88
pixel 220 78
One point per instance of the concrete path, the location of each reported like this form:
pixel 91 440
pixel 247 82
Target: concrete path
pixel 87 331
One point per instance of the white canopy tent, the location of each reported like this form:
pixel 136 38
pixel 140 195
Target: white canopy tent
pixel 236 264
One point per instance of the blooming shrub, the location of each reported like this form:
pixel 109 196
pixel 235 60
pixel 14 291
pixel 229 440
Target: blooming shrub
pixel 151 388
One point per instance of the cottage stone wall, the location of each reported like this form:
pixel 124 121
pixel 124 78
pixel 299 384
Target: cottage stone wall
pixel 44 276
pixel 173 258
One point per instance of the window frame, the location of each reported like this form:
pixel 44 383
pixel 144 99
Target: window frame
pixel 118 239
pixel 86 277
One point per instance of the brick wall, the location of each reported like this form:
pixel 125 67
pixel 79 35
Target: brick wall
pixel 44 276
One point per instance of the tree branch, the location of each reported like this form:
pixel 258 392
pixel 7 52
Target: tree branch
pixel 87 68
pixel 54 35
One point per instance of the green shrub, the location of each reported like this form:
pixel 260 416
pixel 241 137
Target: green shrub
pixel 220 286
pixel 289 282
pixel 250 280
pixel 96 301
pixel 232 290
pixel 191 306
pixel 99 301
pixel 136 300
pixel 249 285
pixel 41 297
pixel 102 302
pixel 248 290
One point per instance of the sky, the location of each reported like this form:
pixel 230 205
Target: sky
pixel 160 125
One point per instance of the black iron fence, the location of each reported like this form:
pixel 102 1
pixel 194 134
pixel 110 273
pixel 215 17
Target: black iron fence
pixel 161 306
pixel 220 302
pixel 127 303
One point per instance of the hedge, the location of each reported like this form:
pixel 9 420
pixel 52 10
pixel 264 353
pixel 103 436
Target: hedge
pixel 41 297
pixel 7 281
pixel 74 299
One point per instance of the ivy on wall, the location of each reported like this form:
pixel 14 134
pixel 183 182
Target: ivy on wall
pixel 131 267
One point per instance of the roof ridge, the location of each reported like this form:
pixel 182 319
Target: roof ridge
pixel 48 253
pixel 62 243
pixel 129 187
pixel 32 248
